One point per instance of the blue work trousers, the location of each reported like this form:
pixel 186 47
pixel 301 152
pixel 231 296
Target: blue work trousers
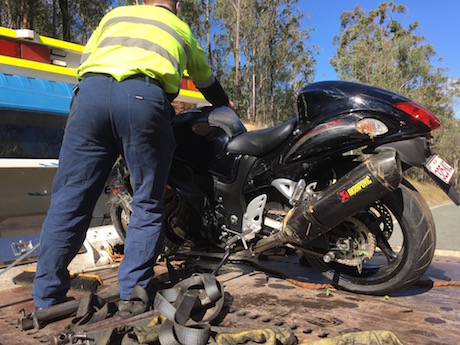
pixel 107 118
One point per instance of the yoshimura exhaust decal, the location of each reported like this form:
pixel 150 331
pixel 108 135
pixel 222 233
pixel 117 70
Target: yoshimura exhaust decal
pixel 346 194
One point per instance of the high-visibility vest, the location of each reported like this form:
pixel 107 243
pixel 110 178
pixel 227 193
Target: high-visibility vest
pixel 146 39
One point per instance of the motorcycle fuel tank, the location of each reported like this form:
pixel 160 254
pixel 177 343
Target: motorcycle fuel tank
pixel 201 136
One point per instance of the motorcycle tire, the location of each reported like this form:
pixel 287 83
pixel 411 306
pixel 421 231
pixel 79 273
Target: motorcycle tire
pixel 120 220
pixel 410 211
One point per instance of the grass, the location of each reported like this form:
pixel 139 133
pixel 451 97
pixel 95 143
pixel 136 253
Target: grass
pixel 432 194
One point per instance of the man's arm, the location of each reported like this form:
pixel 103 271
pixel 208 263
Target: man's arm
pixel 215 94
pixel 201 74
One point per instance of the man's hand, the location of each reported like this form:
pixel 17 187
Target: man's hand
pixel 232 106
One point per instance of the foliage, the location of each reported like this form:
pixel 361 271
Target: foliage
pixel 193 13
pixel 375 49
pixel 251 45
pixel 90 13
pixel 270 59
pixel 69 20
pixel 258 49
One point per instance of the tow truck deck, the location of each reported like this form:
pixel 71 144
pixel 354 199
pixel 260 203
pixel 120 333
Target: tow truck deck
pixel 298 297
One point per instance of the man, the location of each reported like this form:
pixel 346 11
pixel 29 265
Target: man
pixel 131 69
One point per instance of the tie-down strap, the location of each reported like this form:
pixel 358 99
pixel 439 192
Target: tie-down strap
pixel 185 307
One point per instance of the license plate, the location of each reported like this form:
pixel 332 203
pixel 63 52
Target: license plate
pixel 440 168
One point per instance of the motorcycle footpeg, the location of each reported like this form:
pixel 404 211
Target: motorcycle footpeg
pixel 298 192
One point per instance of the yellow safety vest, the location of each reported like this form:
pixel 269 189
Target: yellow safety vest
pixel 148 40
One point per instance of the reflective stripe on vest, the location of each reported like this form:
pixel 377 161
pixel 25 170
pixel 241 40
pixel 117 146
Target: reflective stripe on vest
pixel 140 43
pixel 156 23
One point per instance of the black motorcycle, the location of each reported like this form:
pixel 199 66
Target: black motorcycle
pixel 328 183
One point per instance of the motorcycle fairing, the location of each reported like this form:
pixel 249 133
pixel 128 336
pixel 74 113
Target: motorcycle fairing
pixel 412 152
pixel 231 194
pixel 328 113
pixel 322 100
pixel 416 152
pixel 238 165
pixel 335 135
pixel 225 199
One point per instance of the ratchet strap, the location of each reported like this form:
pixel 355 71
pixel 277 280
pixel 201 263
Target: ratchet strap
pixel 186 311
pixel 184 307
pixel 93 308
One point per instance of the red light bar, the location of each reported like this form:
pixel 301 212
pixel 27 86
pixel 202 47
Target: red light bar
pixel 419 113
pixel 9 48
pixel 35 52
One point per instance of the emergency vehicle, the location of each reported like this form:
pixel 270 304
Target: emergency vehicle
pixel 37 75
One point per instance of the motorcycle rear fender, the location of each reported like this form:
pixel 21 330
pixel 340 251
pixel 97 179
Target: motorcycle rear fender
pixel 412 152
pixel 415 152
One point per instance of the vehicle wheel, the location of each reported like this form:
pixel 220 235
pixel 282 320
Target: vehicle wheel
pixel 120 220
pixel 394 242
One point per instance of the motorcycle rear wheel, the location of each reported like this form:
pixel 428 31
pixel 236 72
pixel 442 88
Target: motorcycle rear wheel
pixel 398 267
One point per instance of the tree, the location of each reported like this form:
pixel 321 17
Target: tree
pixel 90 12
pixel 375 49
pixel 72 21
pixel 16 13
pixel 65 16
pixel 266 42
pixel 196 13
pixel 127 2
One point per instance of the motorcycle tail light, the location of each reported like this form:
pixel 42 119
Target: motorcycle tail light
pixel 371 127
pixel 419 113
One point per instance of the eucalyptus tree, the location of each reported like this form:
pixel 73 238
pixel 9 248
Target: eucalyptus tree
pixel 198 15
pixel 267 41
pixel 89 14
pixel 375 48
pixel 68 20
pixel 15 13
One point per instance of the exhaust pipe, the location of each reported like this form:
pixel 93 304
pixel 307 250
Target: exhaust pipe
pixel 370 181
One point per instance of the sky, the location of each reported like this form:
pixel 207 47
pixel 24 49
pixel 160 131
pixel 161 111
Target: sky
pixel 438 19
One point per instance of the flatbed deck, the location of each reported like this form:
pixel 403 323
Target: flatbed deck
pixel 427 313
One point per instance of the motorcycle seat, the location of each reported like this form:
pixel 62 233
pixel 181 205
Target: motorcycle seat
pixel 260 142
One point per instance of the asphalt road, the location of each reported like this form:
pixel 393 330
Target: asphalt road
pixel 447 219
